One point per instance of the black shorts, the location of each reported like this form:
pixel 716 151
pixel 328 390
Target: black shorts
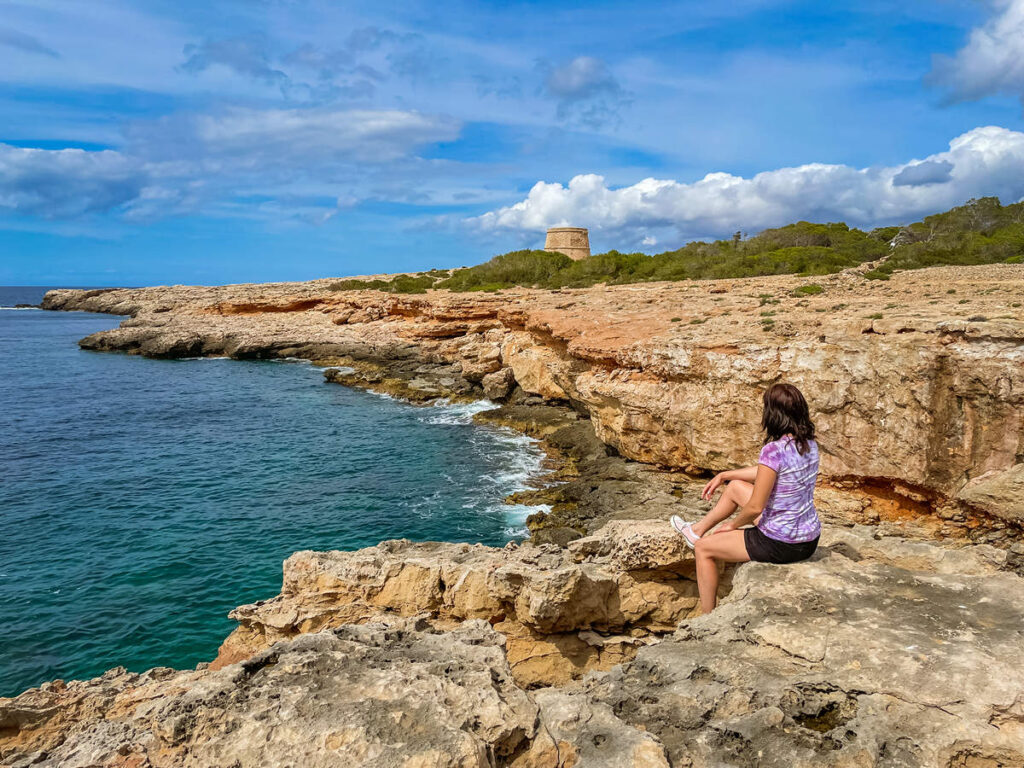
pixel 765 549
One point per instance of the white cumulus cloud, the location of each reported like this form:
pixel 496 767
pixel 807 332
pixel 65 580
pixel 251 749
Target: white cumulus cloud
pixel 302 139
pixel 992 62
pixel 984 161
pixel 181 163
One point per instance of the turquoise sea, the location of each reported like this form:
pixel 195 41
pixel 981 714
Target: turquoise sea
pixel 141 500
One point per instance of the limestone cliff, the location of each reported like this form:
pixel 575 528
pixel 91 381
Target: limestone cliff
pixel 917 383
pixel 562 611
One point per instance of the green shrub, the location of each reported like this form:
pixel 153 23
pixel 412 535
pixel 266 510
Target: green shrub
pixel 358 285
pixel 610 267
pixel 980 232
pixel 811 289
pixel 398 284
pixel 410 284
pixel 527 268
pixel 884 234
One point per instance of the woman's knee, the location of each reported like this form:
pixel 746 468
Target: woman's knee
pixel 739 491
pixel 726 547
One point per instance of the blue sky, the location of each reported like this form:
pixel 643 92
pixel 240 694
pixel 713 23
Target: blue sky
pixel 186 142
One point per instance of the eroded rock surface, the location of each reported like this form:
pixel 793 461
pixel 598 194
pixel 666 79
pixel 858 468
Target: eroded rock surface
pixel 356 696
pixel 562 611
pixel 898 644
pixel 877 651
pixel 999 492
pixel 868 654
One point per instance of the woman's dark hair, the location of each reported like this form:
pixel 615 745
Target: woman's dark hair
pixel 786 413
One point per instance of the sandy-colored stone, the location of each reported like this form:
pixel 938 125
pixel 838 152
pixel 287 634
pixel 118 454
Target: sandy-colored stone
pixel 877 651
pixel 880 650
pixel 587 734
pixel 574 242
pixel 561 610
pixel 863 542
pixel 498 384
pixel 1000 493
pixel 885 659
pixel 374 696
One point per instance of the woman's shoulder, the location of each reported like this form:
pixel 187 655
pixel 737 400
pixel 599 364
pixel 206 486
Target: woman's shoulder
pixel 811 454
pixel 773 454
pixel 785 450
pixel 784 444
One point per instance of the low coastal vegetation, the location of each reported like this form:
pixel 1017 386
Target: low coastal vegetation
pixel 983 231
pixel 399 284
pixel 515 268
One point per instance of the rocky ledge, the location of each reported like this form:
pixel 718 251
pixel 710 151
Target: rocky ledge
pixel 877 651
pixel 897 644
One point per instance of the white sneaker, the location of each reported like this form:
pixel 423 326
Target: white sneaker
pixel 685 530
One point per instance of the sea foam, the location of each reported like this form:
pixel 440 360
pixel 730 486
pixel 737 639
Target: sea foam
pixel 520 465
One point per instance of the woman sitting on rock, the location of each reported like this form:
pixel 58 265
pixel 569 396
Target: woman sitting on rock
pixel 777 495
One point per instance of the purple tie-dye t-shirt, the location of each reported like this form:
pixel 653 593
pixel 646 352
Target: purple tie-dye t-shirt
pixel 789 514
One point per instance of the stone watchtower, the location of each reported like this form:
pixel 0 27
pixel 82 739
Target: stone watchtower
pixel 574 242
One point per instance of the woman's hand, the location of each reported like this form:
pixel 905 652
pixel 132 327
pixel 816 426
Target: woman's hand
pixel 712 486
pixel 728 525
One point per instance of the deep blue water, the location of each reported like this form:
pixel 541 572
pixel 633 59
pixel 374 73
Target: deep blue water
pixel 142 499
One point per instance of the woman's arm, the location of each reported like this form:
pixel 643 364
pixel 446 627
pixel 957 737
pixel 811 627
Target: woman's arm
pixel 764 482
pixel 743 473
pixel 748 474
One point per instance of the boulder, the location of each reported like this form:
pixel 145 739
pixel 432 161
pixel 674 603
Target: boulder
pixel 499 384
pixel 998 492
pixel 628 579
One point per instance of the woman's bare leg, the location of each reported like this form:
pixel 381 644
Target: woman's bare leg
pixel 726 547
pixel 735 495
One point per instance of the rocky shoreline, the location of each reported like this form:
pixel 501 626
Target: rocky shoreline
pixel 917 381
pixel 897 644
